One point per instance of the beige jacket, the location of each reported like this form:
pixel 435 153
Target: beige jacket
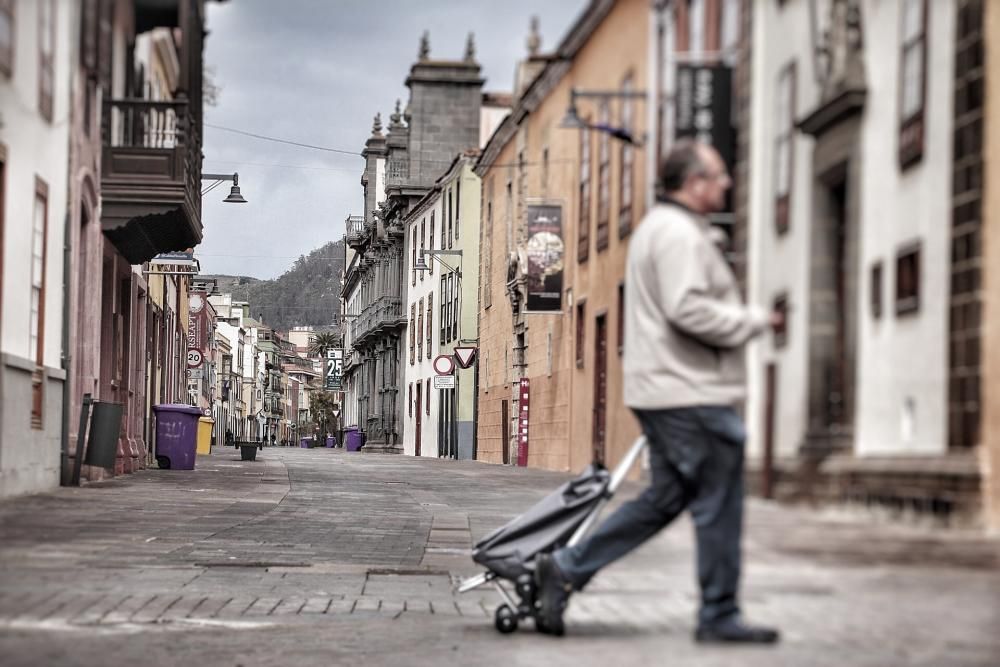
pixel 685 323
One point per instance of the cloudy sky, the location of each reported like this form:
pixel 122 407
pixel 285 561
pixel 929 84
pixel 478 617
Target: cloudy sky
pixel 315 72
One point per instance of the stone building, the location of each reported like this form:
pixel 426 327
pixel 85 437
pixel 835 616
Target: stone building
pixel 862 152
pixel 441 119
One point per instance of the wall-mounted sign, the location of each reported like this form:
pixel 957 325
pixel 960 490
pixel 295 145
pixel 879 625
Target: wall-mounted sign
pixel 334 375
pixel 444 381
pixel 702 107
pixel 545 252
pixel 194 358
pixel 523 403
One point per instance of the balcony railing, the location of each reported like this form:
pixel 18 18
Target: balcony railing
pixel 151 177
pixel 355 229
pixel 384 314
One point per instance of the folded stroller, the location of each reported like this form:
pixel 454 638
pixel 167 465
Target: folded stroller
pixel 562 518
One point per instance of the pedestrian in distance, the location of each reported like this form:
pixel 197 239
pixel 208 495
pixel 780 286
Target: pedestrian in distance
pixel 684 373
pixel 230 439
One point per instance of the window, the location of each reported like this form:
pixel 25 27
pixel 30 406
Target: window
pixel 625 186
pixel 36 322
pixel 696 26
pixel 442 316
pixel 451 212
pixel 876 290
pixel 458 211
pixel 430 322
pixel 46 60
pixel 420 330
pixel 908 280
pixel 545 171
pixel 413 239
pixel 447 318
pixel 3 207
pixel 427 393
pixel 409 398
pixel 783 148
pixel 603 178
pixel 581 328
pixel 729 26
pixel 487 277
pixel 423 243
pixel 621 318
pixel 454 310
pixel 913 82
pixel 413 339
pixel 583 240
pixel 430 240
pixel 7 37
pixel 780 306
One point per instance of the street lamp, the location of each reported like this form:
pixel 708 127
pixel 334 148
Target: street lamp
pixel 573 121
pixel 421 264
pixel 234 192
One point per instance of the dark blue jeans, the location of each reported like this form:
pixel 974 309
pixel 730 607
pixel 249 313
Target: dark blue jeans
pixel 696 461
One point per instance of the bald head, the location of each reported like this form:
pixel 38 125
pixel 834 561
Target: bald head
pixel 694 174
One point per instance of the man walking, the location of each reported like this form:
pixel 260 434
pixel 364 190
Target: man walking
pixel 685 330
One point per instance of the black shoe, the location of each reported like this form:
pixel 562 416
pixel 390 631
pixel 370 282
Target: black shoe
pixel 553 595
pixel 734 630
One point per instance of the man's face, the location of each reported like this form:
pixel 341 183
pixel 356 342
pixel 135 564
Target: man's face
pixel 708 186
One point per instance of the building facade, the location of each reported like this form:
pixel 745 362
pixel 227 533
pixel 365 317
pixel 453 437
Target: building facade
pixel 856 160
pixel 549 364
pixel 441 119
pixel 36 62
pixel 423 342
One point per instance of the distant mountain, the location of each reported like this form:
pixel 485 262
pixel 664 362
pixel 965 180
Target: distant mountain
pixel 306 294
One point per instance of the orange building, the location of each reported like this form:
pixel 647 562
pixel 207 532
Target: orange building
pixel 540 179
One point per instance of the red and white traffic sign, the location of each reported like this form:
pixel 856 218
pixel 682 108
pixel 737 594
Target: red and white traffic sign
pixel 464 356
pixel 444 364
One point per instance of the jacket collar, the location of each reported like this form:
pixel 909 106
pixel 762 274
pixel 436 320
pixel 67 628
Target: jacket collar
pixel 670 201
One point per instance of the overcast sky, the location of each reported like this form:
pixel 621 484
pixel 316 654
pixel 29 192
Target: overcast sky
pixel 316 71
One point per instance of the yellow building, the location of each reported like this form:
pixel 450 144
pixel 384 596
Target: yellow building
pixel 562 339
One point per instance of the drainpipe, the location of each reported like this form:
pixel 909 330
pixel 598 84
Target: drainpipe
pixel 67 359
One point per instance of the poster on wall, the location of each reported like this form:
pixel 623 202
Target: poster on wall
pixel 524 405
pixel 545 253
pixel 702 107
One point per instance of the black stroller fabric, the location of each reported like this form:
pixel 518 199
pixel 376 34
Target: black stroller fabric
pixel 510 550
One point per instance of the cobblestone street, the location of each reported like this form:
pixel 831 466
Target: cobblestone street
pixel 323 557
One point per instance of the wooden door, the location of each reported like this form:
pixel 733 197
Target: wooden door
pixel 419 412
pixel 505 430
pixel 600 387
pixel 770 397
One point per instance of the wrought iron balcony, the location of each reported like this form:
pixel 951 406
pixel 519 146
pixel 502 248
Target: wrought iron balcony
pixel 151 177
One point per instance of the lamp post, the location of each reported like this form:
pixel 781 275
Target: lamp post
pixel 235 197
pixel 573 121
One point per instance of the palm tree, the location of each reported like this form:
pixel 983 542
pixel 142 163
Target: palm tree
pixel 321 342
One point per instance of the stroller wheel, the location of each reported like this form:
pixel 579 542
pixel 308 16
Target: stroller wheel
pixel 505 619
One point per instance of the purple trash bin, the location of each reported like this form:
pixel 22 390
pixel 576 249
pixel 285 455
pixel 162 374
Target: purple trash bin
pixel 353 439
pixel 306 443
pixel 176 435
pixel 331 441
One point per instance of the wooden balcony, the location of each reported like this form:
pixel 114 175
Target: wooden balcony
pixel 151 177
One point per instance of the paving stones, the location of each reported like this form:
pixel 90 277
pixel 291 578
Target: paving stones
pixel 314 539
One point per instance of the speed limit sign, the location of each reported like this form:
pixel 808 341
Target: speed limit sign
pixel 194 358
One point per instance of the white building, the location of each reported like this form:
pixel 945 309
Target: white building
pixel 851 200
pixel 424 224
pixel 38 44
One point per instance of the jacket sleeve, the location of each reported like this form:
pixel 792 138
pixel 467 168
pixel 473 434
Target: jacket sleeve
pixel 682 276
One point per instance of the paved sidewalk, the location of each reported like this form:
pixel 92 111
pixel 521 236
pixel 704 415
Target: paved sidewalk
pixel 324 557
